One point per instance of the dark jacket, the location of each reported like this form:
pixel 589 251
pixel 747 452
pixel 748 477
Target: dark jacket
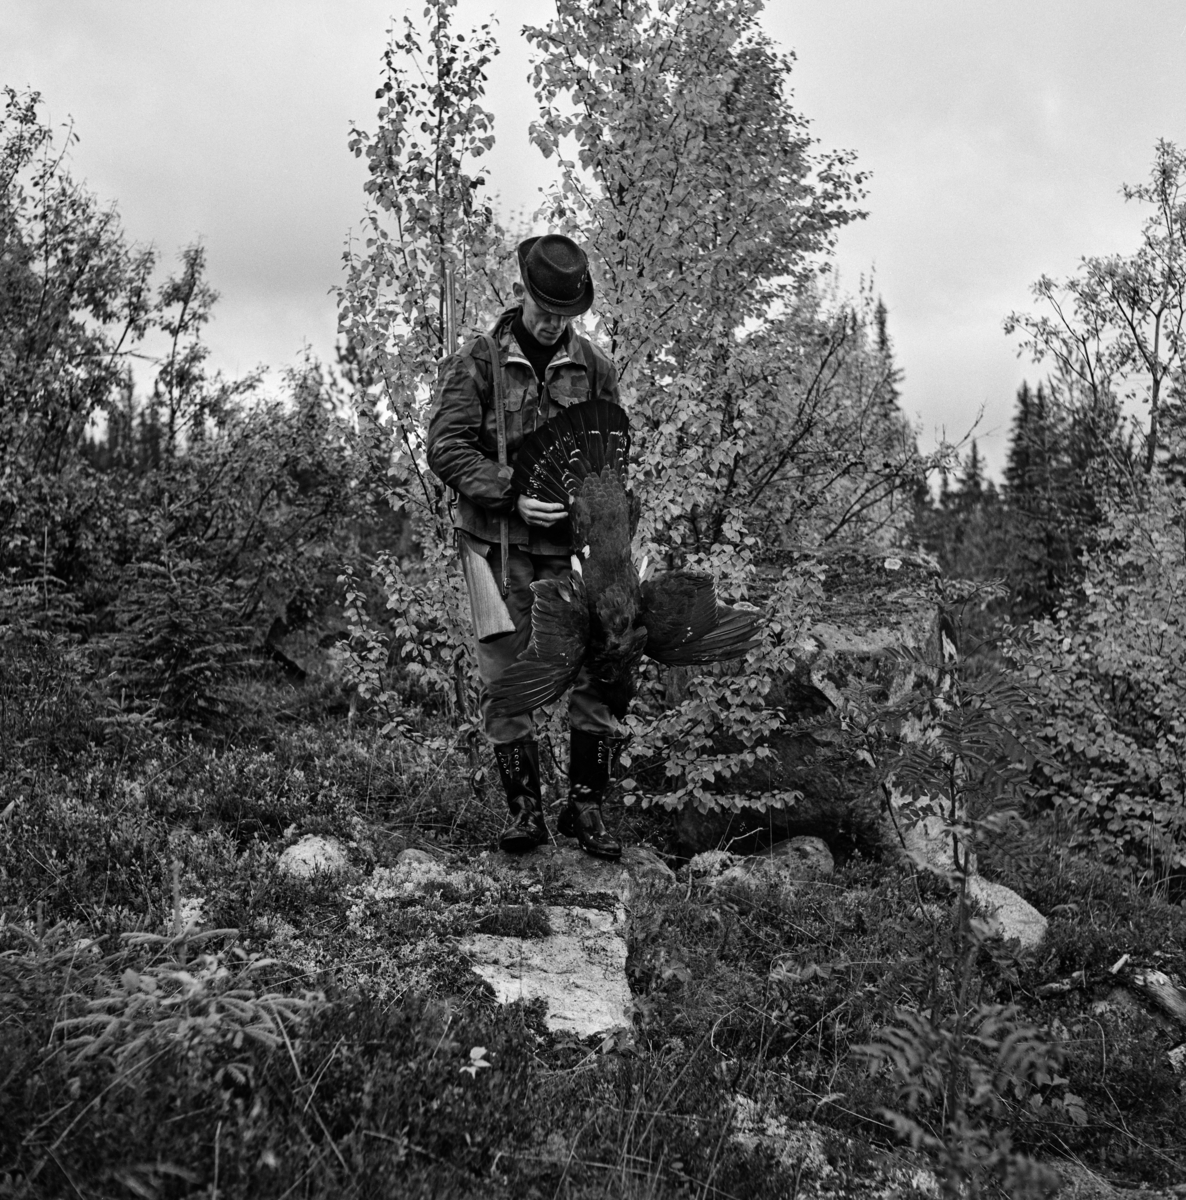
pixel 463 433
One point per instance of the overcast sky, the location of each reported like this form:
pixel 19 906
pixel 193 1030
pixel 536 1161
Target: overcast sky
pixel 997 133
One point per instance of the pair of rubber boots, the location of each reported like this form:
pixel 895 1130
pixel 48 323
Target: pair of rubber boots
pixel 589 764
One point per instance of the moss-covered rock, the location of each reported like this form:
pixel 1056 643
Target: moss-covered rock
pixel 878 612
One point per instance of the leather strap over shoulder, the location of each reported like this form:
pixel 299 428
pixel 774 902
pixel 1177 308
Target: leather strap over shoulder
pixel 500 421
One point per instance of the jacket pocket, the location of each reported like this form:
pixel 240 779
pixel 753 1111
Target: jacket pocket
pixel 517 395
pixel 518 401
pixel 568 387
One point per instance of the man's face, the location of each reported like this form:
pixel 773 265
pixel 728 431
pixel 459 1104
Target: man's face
pixel 545 327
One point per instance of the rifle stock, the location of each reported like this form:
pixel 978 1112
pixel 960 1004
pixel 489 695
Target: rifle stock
pixel 490 614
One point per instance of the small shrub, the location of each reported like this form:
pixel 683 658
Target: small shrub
pixel 76 848
pixel 47 711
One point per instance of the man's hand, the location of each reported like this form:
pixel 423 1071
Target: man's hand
pixel 542 513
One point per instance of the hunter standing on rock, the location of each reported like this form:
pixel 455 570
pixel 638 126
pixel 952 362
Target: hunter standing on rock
pixel 509 541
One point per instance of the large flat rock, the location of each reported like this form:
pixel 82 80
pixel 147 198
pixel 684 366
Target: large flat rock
pixel 579 969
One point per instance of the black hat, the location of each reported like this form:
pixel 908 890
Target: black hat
pixel 555 273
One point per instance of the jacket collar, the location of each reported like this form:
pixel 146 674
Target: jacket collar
pixel 572 351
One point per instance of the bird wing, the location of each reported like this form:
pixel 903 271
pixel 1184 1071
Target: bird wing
pixel 553 658
pixel 687 625
pixel 578 442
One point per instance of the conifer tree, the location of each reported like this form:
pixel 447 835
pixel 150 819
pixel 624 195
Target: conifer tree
pixel 1018 462
pixel 974 489
pixel 962 528
pixel 1043 537
pixel 1064 461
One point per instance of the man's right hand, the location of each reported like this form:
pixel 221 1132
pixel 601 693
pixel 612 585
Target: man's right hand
pixel 541 513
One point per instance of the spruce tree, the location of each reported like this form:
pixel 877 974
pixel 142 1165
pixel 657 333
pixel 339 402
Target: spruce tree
pixel 974 489
pixel 1063 462
pixel 962 528
pixel 1019 459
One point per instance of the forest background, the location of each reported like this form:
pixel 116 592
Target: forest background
pixel 176 561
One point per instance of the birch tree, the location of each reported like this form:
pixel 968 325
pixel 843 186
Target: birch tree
pixel 709 211
pixel 427 217
pixel 1114 334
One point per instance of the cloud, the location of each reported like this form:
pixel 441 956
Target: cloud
pixel 998 136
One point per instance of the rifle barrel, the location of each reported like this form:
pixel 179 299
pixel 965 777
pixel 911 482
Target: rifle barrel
pixel 450 310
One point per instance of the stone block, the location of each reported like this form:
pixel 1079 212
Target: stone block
pixel 579 969
pixel 1005 909
pixel 313 855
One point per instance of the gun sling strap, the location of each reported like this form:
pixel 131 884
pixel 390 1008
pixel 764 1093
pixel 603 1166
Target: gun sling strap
pixel 500 420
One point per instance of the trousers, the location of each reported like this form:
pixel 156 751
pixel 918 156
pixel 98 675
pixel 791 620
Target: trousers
pixel 586 710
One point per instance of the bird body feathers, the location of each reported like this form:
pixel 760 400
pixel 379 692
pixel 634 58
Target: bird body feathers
pixel 601 618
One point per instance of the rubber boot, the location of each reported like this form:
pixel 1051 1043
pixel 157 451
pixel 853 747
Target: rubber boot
pixel 518 766
pixel 588 777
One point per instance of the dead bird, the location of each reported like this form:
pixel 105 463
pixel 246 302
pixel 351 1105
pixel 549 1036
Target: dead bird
pixel 603 615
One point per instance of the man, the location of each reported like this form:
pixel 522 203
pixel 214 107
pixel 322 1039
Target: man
pixel 546 367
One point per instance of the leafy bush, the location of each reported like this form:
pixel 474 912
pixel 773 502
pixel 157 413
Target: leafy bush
pixel 956 1079
pixel 74 301
pixel 719 728
pixel 1112 671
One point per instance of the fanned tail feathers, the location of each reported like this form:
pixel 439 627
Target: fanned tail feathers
pixel 577 442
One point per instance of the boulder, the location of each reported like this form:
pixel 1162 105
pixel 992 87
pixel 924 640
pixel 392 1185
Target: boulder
pixel 785 865
pixel 1012 916
pixel 644 865
pixel 1177 1057
pixel 928 841
pixel 802 858
pixel 824 794
pixel 798 857
pixel 571 867
pixel 579 969
pixel 413 855
pixel 810 1152
pixel 882 628
pixel 415 873
pixel 872 607
pixel 313 855
pixel 709 864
